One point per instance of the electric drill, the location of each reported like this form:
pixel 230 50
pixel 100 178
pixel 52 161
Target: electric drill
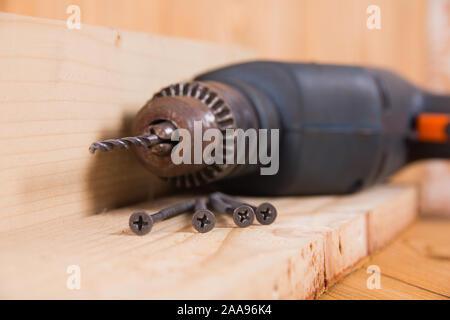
pixel 341 128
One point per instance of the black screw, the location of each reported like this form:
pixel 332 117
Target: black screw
pixel 266 213
pixel 203 219
pixel 141 222
pixel 243 215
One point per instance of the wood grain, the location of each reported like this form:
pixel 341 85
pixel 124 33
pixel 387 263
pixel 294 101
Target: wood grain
pixel 314 241
pixel 415 266
pixel 306 30
pixel 62 89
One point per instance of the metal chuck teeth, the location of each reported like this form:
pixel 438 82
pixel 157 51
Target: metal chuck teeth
pixel 223 117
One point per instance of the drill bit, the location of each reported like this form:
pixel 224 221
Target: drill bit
pixel 124 143
pixel 159 133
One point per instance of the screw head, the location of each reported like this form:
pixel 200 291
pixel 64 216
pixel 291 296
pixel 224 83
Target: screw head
pixel 203 221
pixel 266 213
pixel 141 223
pixel 243 216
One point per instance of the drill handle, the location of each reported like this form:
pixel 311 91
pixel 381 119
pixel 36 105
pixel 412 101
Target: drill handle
pixel 432 127
pixel 436 103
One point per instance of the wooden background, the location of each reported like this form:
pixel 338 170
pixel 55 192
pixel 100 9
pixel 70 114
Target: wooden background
pixel 307 30
pixel 414 39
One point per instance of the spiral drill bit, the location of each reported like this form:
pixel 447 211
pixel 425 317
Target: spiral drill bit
pixel 124 143
pixel 160 134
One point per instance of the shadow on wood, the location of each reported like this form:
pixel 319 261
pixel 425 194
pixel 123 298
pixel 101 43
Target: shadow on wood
pixel 114 174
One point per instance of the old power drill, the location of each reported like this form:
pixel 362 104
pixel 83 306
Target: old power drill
pixel 342 128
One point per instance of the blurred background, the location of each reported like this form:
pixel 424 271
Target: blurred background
pixel 414 40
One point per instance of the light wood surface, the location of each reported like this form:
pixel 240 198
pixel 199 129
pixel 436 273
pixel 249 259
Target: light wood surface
pixel 415 266
pixel 432 178
pixel 314 242
pixel 61 90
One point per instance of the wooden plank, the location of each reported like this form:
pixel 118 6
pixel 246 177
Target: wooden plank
pixel 314 241
pixel 62 89
pixel 432 179
pixel 358 224
pixel 415 266
pixel 382 207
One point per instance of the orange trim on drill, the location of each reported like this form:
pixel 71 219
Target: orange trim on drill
pixel 433 127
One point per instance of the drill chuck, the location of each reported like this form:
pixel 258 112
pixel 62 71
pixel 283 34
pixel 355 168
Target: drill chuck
pixel 214 105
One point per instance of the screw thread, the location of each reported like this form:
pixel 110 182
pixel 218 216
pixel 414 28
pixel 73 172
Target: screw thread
pixel 219 205
pixel 200 204
pixel 174 210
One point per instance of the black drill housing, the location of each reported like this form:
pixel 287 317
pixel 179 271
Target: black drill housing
pixel 342 128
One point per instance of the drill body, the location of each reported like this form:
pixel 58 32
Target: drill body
pixel 342 128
